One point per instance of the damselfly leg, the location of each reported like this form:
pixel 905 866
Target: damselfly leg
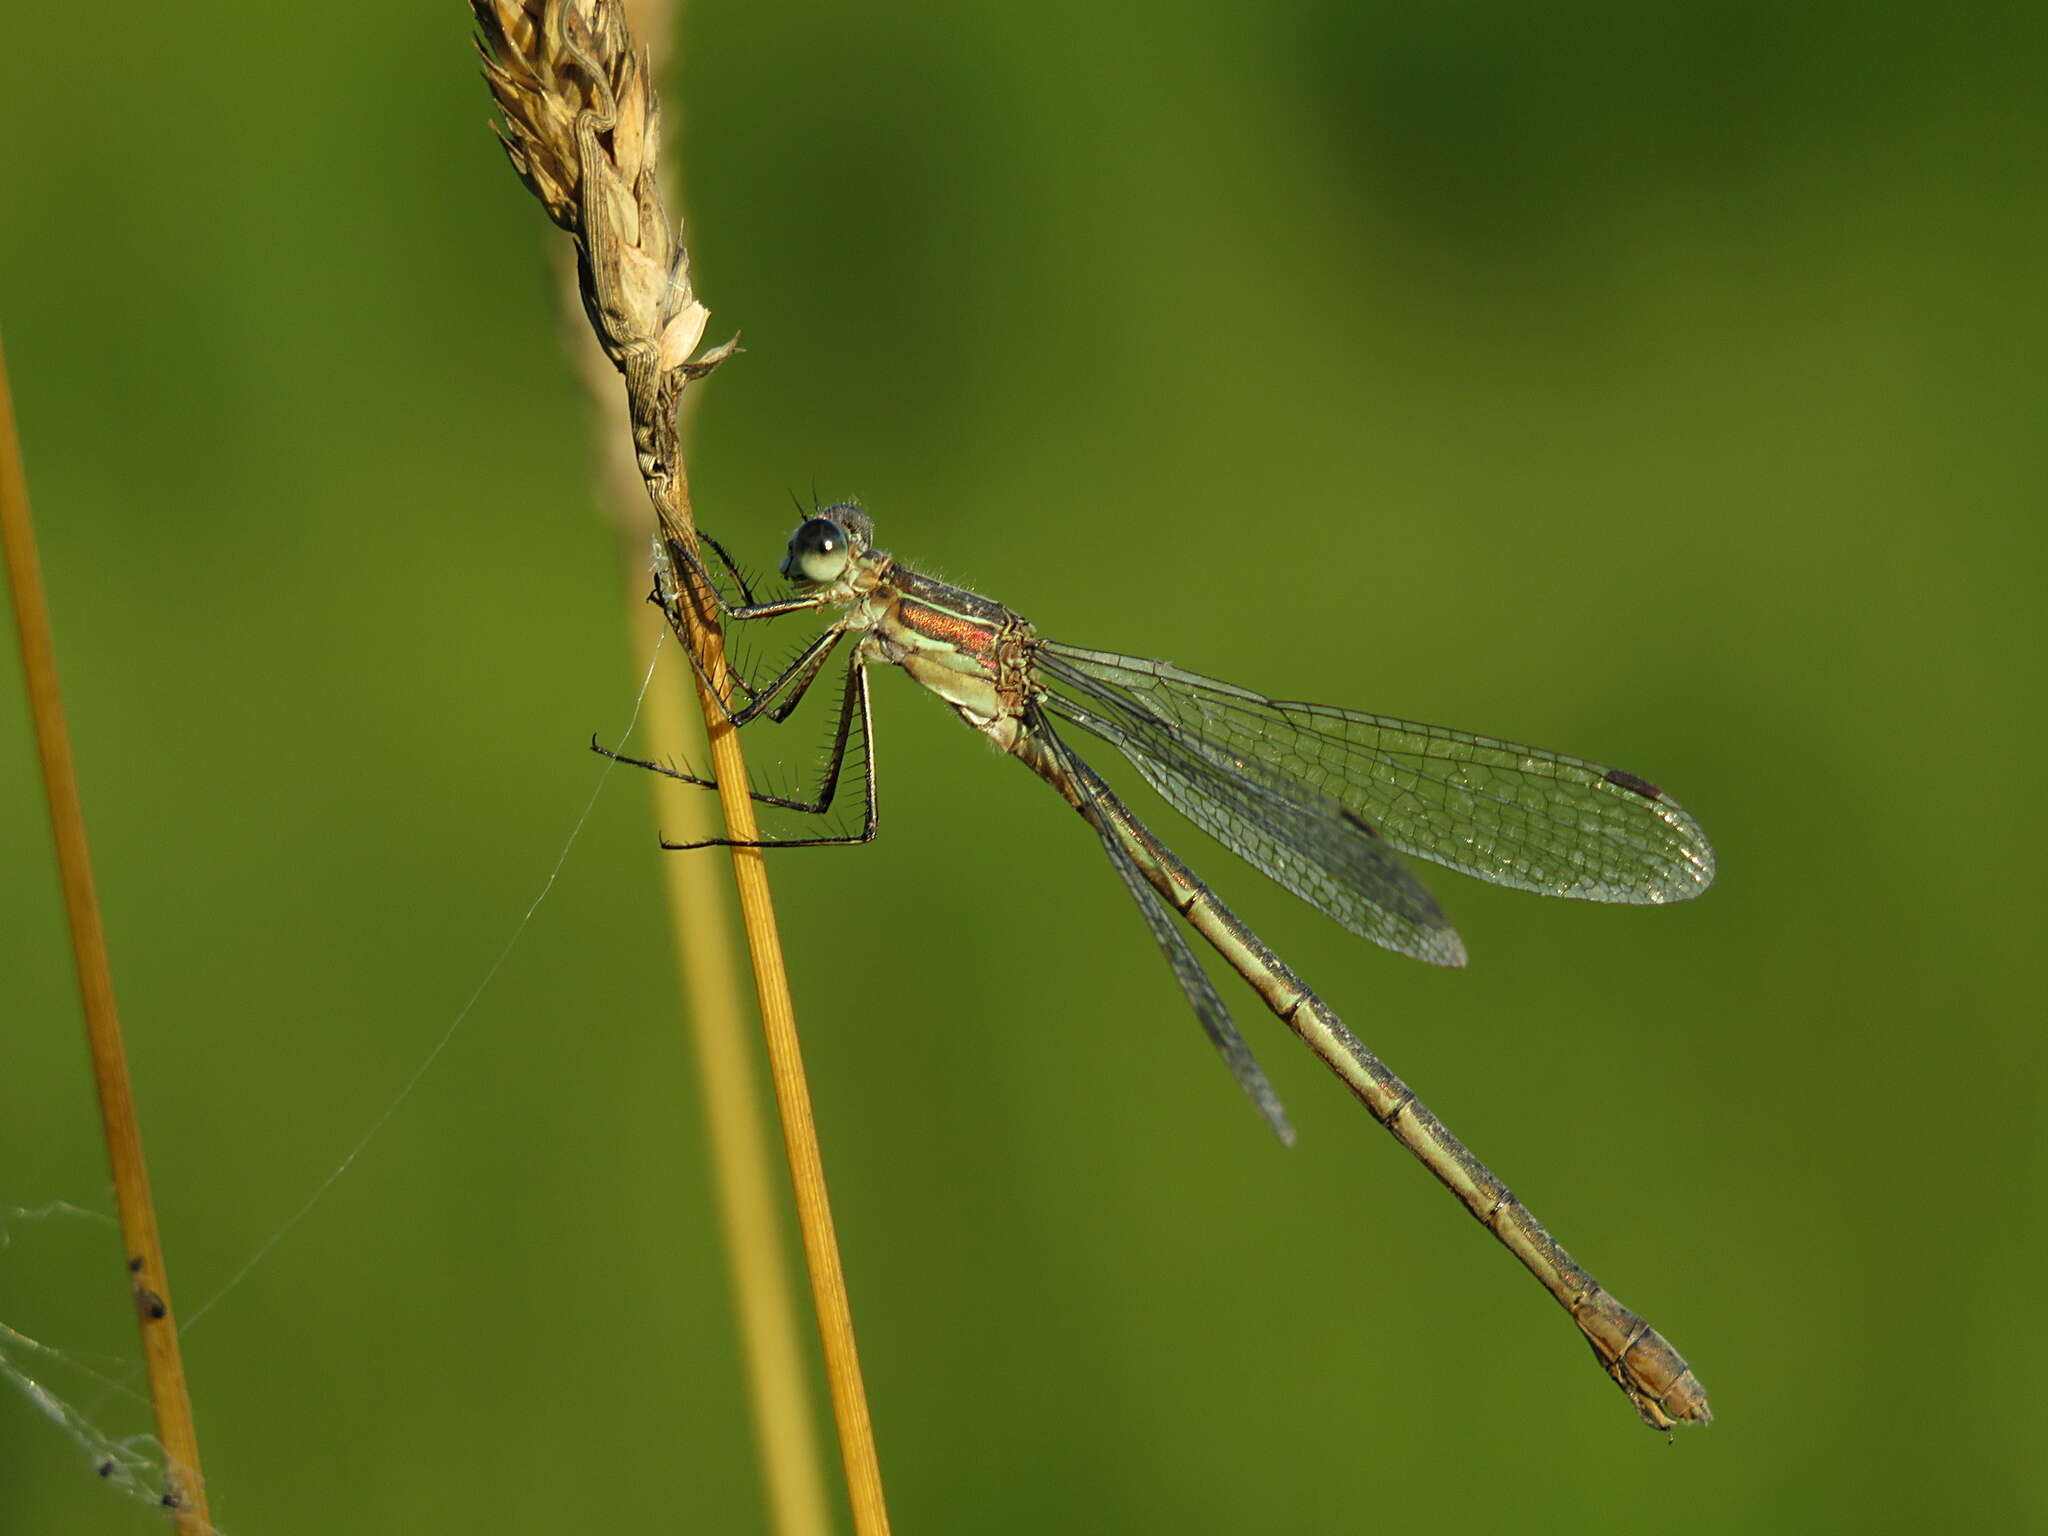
pixel 776 700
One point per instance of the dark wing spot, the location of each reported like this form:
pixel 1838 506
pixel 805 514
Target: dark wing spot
pixel 1347 814
pixel 1628 781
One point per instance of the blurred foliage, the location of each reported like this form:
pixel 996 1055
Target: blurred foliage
pixel 1659 383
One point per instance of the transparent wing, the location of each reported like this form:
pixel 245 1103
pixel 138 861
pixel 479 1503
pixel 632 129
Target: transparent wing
pixel 1514 815
pixel 1187 970
pixel 1289 830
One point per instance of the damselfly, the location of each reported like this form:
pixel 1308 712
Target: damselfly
pixel 1322 800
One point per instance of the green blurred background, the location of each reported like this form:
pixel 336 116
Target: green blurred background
pixel 1657 383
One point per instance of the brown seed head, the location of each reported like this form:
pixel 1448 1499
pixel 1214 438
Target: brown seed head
pixel 583 130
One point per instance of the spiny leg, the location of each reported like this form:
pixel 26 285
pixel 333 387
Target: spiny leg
pixel 778 697
pixel 732 569
pixel 670 771
pixel 853 705
pixel 679 556
pixel 675 564
pixel 776 701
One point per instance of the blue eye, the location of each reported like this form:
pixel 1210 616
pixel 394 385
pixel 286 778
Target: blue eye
pixel 817 552
pixel 819 536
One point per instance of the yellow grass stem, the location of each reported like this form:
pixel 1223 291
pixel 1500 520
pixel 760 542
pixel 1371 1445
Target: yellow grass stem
pixel 184 1491
pixel 582 129
pixel 699 902
pixel 786 1071
pixel 749 1205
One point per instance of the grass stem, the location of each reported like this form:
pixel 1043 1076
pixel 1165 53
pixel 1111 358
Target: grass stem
pixel 184 1491
pixel 582 127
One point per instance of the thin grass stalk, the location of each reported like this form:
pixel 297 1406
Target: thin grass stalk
pixel 582 126
pixel 749 1206
pixel 792 1093
pixel 729 1086
pixel 184 1491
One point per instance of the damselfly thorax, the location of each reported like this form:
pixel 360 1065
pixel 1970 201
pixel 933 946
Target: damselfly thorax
pixel 973 653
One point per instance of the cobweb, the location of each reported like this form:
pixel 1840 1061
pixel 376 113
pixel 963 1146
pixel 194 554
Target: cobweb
pixel 130 1464
pixel 76 1391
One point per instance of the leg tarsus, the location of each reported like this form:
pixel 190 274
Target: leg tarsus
pixel 666 770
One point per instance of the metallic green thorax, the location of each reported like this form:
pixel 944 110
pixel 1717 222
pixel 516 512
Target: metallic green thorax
pixel 973 653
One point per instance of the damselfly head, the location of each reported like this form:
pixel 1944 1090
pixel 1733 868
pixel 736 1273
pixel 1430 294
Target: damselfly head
pixel 822 548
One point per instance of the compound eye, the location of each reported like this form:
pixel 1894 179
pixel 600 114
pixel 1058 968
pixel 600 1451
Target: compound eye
pixel 818 552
